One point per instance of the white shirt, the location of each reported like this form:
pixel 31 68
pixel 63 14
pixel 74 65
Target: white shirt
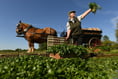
pixel 68 25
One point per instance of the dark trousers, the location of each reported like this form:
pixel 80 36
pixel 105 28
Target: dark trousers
pixel 76 40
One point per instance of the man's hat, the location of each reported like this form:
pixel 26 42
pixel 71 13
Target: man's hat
pixel 71 12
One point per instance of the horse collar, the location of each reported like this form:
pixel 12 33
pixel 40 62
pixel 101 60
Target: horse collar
pixel 26 29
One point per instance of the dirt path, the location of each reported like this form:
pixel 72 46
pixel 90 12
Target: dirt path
pixel 21 54
pixel 107 55
pixel 47 55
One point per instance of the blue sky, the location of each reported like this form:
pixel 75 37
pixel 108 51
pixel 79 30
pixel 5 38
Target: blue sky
pixel 52 13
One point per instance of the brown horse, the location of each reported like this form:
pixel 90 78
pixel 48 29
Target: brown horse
pixel 34 35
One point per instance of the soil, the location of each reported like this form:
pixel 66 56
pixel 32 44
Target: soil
pixel 56 56
pixel 16 55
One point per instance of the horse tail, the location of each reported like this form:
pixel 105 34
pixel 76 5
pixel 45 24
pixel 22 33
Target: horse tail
pixel 50 31
pixel 55 34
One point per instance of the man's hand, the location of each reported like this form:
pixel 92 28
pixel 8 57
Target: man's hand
pixel 67 38
pixel 94 7
pixel 68 34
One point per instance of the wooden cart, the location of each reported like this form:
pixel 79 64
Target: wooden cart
pixel 91 37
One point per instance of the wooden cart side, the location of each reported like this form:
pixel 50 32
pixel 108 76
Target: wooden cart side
pixel 54 40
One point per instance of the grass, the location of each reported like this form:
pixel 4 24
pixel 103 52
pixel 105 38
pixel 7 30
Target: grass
pixel 7 52
pixel 113 51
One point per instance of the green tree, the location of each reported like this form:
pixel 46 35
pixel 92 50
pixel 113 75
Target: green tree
pixel 105 38
pixel 116 34
pixel 106 41
pixel 116 31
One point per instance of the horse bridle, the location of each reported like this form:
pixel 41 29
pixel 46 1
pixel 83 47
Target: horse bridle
pixel 25 30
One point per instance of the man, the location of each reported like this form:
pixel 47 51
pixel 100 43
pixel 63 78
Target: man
pixel 74 27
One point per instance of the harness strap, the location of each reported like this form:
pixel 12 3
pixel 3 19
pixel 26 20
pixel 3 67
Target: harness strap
pixel 25 30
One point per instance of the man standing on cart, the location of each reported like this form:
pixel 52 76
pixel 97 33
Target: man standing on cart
pixel 74 32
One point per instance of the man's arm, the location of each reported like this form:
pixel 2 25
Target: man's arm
pixel 85 13
pixel 68 34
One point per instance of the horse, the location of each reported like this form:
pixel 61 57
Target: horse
pixel 34 35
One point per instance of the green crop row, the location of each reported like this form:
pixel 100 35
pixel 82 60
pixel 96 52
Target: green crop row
pixel 66 50
pixel 37 67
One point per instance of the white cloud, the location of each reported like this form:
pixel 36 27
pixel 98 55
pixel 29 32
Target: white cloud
pixel 114 21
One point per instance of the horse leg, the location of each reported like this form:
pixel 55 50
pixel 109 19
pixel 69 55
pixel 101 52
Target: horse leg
pixel 31 47
pixel 29 50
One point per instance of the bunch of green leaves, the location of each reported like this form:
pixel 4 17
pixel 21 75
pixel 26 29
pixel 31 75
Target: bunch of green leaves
pixel 65 49
pixel 94 7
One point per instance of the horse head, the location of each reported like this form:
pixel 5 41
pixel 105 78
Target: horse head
pixel 21 28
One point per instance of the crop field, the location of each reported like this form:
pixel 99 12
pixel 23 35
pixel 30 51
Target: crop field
pixel 22 65
pixel 38 67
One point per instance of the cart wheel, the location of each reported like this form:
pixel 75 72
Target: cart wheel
pixel 93 42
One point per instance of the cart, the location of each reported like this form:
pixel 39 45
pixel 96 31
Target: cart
pixel 91 37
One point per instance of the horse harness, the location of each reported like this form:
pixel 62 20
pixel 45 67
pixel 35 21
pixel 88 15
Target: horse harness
pixel 27 29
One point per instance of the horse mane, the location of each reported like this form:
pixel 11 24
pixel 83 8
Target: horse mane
pixel 25 24
pixel 30 25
